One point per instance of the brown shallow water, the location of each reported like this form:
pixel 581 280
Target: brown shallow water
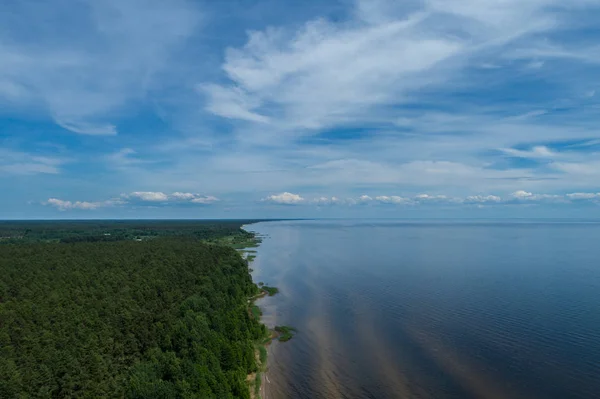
pixel 430 309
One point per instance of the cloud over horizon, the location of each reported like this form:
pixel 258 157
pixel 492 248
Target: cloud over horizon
pixel 286 198
pixel 137 198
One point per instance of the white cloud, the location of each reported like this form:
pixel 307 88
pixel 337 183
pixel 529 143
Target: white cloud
pixel 427 197
pixel 288 198
pixel 393 199
pixel 581 169
pixel 68 205
pixel 176 197
pixel 583 196
pixel 323 76
pixel 536 152
pixel 285 198
pixel 183 196
pixel 531 114
pixel 326 201
pixel 88 128
pixel 28 169
pixel 522 195
pixel 232 103
pixel 150 196
pixel 193 198
pixel 129 160
pixel 83 80
pixel 326 72
pixel 204 200
pixel 22 163
pixel 134 198
pixel 482 199
pixel 422 199
pixel 376 87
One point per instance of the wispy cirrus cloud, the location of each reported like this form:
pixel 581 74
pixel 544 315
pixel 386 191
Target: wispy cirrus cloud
pixel 13 162
pixel 394 71
pixel 583 196
pixel 536 152
pixel 81 63
pixel 325 73
pixel 370 102
pixel 329 73
pixel 87 127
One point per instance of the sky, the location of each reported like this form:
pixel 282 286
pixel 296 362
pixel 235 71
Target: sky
pixel 277 109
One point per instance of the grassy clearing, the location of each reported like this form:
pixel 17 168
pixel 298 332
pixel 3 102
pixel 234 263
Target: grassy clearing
pixel 257 382
pixel 263 354
pixel 265 341
pixel 261 360
pixel 256 312
pixel 244 243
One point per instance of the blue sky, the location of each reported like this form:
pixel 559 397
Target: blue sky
pixel 243 108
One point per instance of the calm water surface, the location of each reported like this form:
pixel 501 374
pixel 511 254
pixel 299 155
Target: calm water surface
pixel 433 309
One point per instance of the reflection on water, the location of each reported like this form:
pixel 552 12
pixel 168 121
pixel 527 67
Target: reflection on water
pixel 433 310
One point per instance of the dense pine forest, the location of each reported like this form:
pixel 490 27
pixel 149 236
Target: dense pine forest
pixel 70 231
pixel 160 318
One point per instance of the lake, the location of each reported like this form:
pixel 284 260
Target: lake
pixel 432 309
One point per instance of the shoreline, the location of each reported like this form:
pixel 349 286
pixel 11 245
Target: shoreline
pixel 258 380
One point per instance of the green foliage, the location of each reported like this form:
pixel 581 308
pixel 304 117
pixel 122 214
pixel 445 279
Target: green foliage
pixel 256 312
pixel 166 318
pixel 257 384
pixel 270 290
pixel 226 232
pixel 263 354
pixel 285 333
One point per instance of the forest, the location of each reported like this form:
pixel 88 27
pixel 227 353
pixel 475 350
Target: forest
pixel 160 318
pixel 70 231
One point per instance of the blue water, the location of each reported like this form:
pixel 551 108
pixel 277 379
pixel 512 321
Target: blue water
pixel 426 309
